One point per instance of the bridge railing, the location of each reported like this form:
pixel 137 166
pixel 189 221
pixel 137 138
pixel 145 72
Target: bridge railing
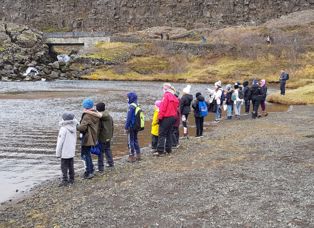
pixel 75 34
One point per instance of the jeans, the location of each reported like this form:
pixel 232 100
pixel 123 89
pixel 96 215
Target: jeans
pixel 282 88
pixel 165 135
pixel 87 158
pixel 67 166
pixel 218 112
pixel 247 104
pixel 175 136
pixel 229 111
pixel 199 122
pixel 105 149
pixel 133 142
pixel 154 142
pixel 237 108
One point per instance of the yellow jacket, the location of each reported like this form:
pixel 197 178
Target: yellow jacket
pixel 155 125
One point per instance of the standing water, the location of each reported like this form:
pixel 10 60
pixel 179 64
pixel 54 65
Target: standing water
pixel 30 112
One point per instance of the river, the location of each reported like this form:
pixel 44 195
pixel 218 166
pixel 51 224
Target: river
pixel 30 112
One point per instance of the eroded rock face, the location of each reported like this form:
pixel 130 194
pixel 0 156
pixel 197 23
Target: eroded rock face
pixel 126 15
pixel 21 47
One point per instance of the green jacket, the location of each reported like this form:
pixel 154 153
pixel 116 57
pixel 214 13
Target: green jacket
pixel 106 127
pixel 89 127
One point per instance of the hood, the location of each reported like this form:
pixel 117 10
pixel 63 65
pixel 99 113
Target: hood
pixel 69 124
pixel 263 82
pixel 188 96
pixel 132 97
pixel 245 83
pixel 200 98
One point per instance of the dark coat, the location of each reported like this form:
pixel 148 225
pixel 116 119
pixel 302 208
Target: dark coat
pixel 89 127
pixel 106 127
pixel 256 92
pixel 185 104
pixel 228 98
pixel 130 120
pixel 264 92
pixel 247 93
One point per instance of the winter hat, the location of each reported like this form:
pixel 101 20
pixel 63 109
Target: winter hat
pixel 157 103
pixel 263 82
pixel 67 116
pixel 187 89
pixel 88 103
pixel 197 94
pixel 166 86
pixel 255 82
pixel 100 107
pixel 228 87
pixel 218 84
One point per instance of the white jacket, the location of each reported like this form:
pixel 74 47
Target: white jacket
pixel 66 142
pixel 236 93
pixel 217 95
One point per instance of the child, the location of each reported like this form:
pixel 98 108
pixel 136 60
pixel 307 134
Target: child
pixel 199 114
pixel 155 126
pixel 105 136
pixel 66 147
pixel 229 101
pixel 134 147
pixel 89 128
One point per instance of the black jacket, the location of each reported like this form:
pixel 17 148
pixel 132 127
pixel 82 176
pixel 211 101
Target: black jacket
pixel 247 93
pixel 264 92
pixel 256 92
pixel 195 105
pixel 185 104
pixel 228 98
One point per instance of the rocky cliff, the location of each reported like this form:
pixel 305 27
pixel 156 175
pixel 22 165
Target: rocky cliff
pixel 126 15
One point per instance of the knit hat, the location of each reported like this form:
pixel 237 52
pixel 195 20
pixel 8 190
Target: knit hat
pixel 187 89
pixel 88 103
pixel 157 103
pixel 100 107
pixel 67 116
pixel 197 94
pixel 218 84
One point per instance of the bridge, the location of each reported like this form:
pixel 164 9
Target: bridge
pixel 86 39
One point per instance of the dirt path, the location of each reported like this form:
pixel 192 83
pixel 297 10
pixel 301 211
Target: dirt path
pixel 245 173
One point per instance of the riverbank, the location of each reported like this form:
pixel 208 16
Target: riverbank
pixel 243 173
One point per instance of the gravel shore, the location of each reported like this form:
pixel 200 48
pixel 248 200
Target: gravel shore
pixel 243 173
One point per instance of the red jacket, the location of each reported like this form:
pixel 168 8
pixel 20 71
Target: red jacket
pixel 169 106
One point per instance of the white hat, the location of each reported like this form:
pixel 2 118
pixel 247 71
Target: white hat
pixel 187 89
pixel 218 84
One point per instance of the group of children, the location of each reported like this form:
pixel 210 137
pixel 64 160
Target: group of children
pixel 96 124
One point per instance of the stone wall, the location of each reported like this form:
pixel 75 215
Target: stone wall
pixel 127 15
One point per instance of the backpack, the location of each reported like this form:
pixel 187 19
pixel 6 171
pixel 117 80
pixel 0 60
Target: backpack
pixel 96 149
pixel 139 118
pixel 202 107
pixel 233 97
pixel 287 76
pixel 240 94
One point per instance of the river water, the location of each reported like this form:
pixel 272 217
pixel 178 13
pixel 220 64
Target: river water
pixel 30 112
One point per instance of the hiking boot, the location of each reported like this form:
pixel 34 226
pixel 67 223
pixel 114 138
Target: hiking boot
pixel 71 182
pixel 63 184
pixel 131 158
pixel 138 157
pixel 264 113
pixel 88 176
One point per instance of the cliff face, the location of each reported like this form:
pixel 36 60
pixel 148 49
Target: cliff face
pixel 127 15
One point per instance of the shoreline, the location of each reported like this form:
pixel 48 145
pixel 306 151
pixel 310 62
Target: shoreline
pixel 198 188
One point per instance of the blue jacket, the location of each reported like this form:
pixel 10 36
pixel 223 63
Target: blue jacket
pixel 130 120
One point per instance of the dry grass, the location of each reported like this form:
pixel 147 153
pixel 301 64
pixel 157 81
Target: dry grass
pixel 301 96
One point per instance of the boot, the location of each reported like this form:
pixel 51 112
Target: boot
pixel 138 157
pixel 131 158
pixel 264 113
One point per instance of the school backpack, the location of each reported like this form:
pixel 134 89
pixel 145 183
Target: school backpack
pixel 139 118
pixel 240 94
pixel 233 96
pixel 202 107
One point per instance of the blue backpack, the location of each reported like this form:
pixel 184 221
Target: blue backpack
pixel 202 107
pixel 96 149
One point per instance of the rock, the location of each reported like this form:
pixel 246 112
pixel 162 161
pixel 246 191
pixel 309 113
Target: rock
pixel 27 78
pixel 54 75
pixel 32 64
pixel 55 65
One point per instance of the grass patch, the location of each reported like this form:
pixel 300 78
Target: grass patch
pixel 301 96
pixel 149 65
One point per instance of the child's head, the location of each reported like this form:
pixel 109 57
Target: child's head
pixel 88 103
pixel 67 116
pixel 197 94
pixel 157 103
pixel 100 107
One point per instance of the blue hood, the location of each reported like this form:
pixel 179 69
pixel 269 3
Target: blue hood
pixel 132 98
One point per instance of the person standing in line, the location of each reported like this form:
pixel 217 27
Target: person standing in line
pixel 229 101
pixel 166 116
pixel 200 107
pixel 185 108
pixel 133 144
pixel 105 136
pixel 256 98
pixel 238 93
pixel 155 126
pixel 284 76
pixel 264 95
pixel 89 130
pixel 175 129
pixel 218 95
pixel 65 149
pixel 246 96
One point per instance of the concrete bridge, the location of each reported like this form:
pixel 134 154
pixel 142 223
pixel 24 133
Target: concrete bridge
pixel 86 39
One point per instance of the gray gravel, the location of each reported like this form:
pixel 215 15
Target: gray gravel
pixel 243 173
